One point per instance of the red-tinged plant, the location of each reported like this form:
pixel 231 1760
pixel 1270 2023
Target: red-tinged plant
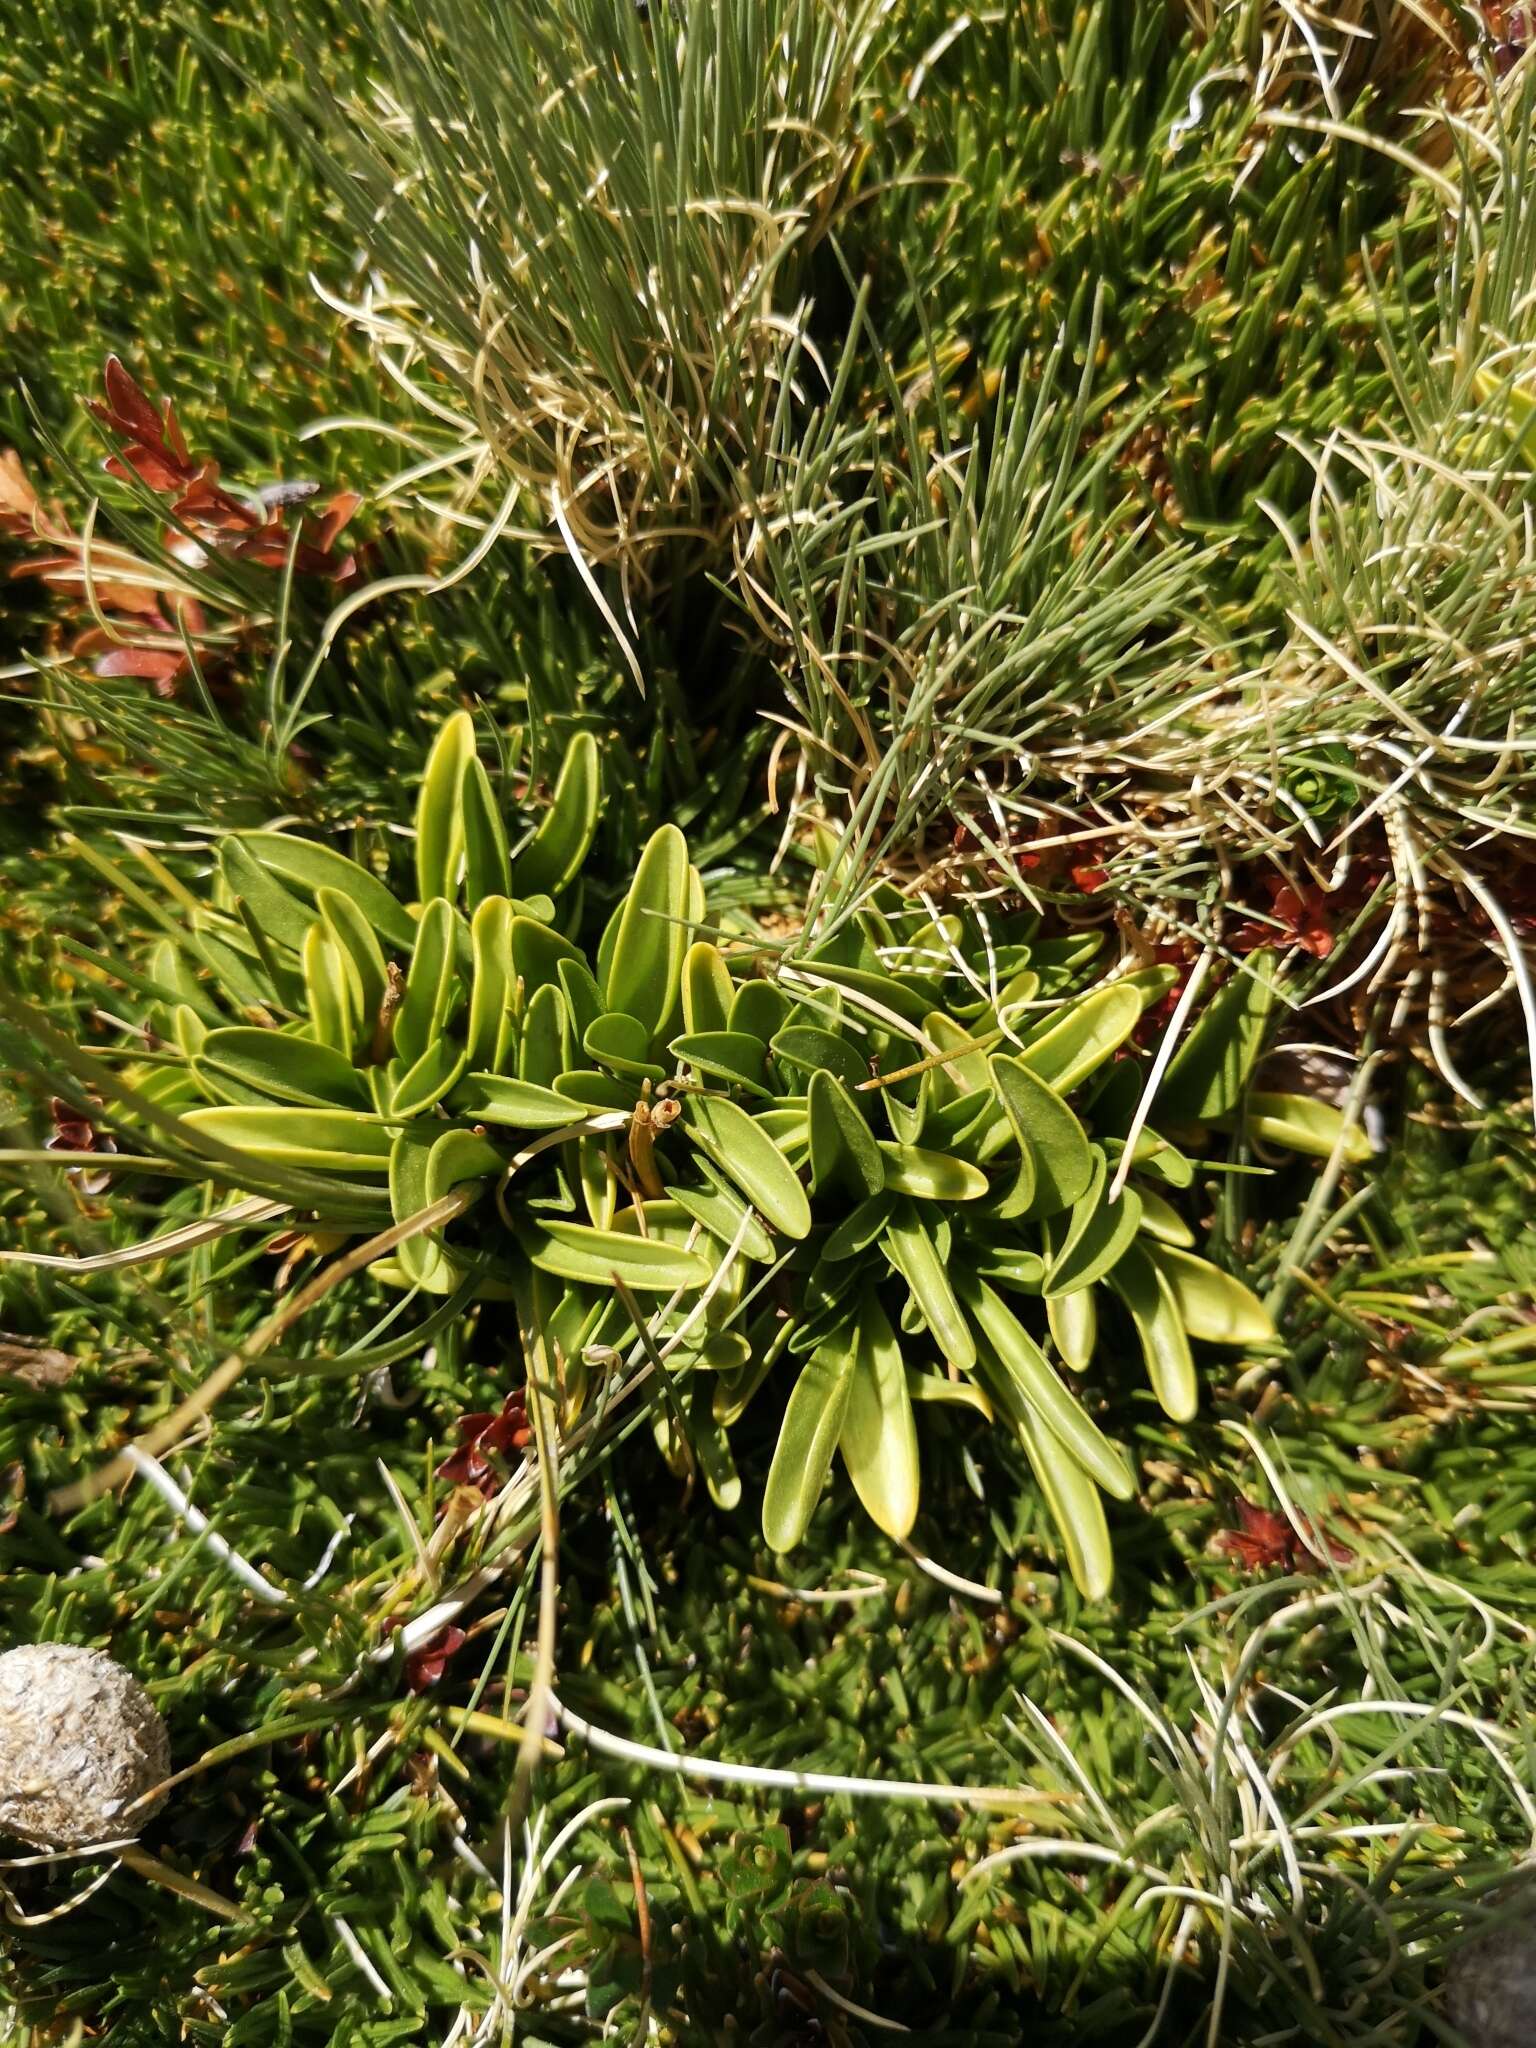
pixel 1303 917
pixel 482 1440
pixel 73 1131
pixel 1263 1540
pixel 426 1666
pixel 1510 32
pixel 136 617
pixel 1156 1017
pixel 153 448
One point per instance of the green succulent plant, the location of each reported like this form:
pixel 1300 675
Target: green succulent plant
pixel 889 1164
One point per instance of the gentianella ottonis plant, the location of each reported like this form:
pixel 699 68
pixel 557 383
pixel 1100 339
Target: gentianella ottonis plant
pixel 858 1174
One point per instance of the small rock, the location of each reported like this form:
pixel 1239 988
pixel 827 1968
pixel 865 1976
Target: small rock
pixel 80 1740
pixel 1490 1986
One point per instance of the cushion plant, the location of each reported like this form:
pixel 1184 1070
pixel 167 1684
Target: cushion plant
pixel 889 1161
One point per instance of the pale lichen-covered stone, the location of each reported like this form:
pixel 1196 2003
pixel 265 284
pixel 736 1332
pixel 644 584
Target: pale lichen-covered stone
pixel 80 1740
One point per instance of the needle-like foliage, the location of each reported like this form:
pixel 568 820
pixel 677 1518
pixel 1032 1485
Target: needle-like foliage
pixel 591 227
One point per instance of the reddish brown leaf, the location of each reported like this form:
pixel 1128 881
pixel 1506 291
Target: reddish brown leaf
pixel 175 436
pixel 481 1438
pixel 1303 915
pixel 140 420
pixel 149 465
pixel 337 514
pixel 73 1131
pixel 154 663
pixel 1264 1539
pixel 426 1666
pixel 130 598
pixel 206 503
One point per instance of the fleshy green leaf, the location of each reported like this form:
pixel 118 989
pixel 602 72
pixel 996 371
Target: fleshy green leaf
pixel 343 1140
pixel 358 940
pixel 908 1120
pixel 644 975
pixel 329 991
pixel 1159 1325
pixel 553 857
pixel 596 1091
pixel 583 997
pixel 440 809
pixel 810 1050
pixel 707 989
pixel 1048 1131
pixel 1028 1372
pixel 734 1056
pixel 1096 1238
pixel 723 1214
pixel 544 1047
pixel 1089 1032
pixel 622 1044
pixel 276 1064
pixel 1094 1248
pixel 191 1034
pixel 1210 1069
pixel 713 1449
pixel 1076 1509
pixel 962 1393
pixel 490 981
pixel 748 1156
pixel 844 1152
pixel 802 1458
pixel 1160 1220
pixel 1305 1124
pixel 575 1251
pixel 788 1127
pixel 878 1439
pixel 539 954
pixel 934 1176
pixel 967 1070
pixel 458 1156
pixel 859 1229
pixel 758 1009
pixel 1150 983
pixel 973 1125
pixel 905 1000
pixel 301 865
pixel 1074 1326
pixel 278 913
pixel 915 1256
pixel 1155 1155
pixel 421 1260
pixel 432 985
pixel 422 1169
pixel 1013 1266
pixel 428 1080
pixel 486 871
pixel 1213 1306
pixel 524 1105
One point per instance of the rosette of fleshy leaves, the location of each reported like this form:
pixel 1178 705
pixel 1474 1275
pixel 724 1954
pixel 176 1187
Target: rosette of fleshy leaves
pixel 874 1172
